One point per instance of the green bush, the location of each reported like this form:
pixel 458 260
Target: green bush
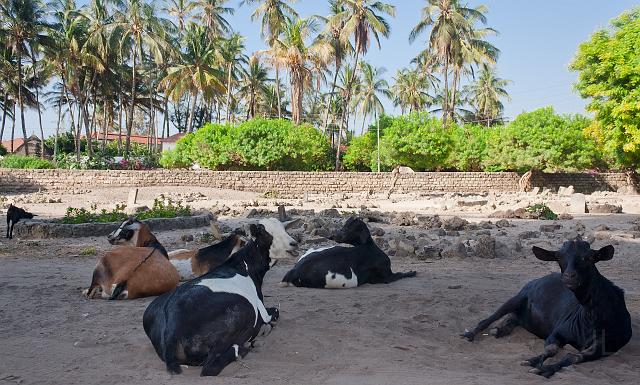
pixel 417 141
pixel 360 153
pixel 469 147
pixel 3 151
pixel 162 208
pixel 25 162
pixel 542 211
pixel 258 144
pixel 542 140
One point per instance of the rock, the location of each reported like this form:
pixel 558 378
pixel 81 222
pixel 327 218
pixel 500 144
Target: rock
pixel 458 250
pixel 535 191
pixel 579 227
pixel 282 214
pixel 485 247
pixel 604 208
pixel 601 228
pixel 521 213
pixel 486 225
pixel 504 251
pixel 316 240
pixel 428 221
pixel 590 239
pixel 372 216
pixel 483 232
pixel 429 252
pixel 377 231
pixel 406 246
pixel 136 209
pixel 452 233
pixel 403 219
pixel 439 232
pixel 331 213
pixel 401 253
pixel 529 235
pixel 503 223
pixel 472 203
pixel 571 235
pixel 550 228
pixel 566 191
pixel 577 204
pixel 565 217
pixel 186 238
pixel 251 213
pixel 454 224
pixel 627 190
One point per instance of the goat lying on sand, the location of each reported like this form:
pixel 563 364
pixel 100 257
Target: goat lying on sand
pixel 139 268
pixel 577 307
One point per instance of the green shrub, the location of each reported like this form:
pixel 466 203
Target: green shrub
pixel 3 151
pixel 360 153
pixel 25 162
pixel 211 147
pixel 542 211
pixel 162 208
pixel 469 147
pixel 542 140
pixel 417 141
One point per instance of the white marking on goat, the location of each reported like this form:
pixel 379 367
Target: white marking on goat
pixel 235 347
pixel 184 268
pixel 136 232
pixel 282 241
pixel 240 285
pixel 339 281
pixel 311 251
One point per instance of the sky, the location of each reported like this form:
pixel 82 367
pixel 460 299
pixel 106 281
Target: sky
pixel 537 40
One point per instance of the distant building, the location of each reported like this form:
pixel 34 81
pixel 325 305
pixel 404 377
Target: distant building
pixel 113 137
pixel 170 142
pixel 34 144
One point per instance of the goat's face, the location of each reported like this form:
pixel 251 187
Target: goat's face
pixel 354 232
pixel 577 261
pixel 281 244
pixel 261 263
pixel 126 234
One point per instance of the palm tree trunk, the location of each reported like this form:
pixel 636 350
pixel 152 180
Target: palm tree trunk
pixel 378 139
pixel 127 147
pixel 4 114
pixel 65 90
pixel 230 67
pixel 121 103
pixel 165 117
pixel 192 112
pixel 55 139
pixel 35 75
pixel 454 92
pixel 278 92
pixel 21 102
pixel 104 126
pixel 333 90
pixel 13 127
pixel 346 108
pixel 445 102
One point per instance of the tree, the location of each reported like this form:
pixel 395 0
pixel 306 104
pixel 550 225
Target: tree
pixel 361 20
pixel 254 84
pixel 293 52
pixel 22 24
pixel 273 15
pixel 609 77
pixel 373 86
pixel 181 11
pixel 231 51
pixel 197 71
pixel 485 96
pixel 212 16
pixel 410 90
pixel 452 37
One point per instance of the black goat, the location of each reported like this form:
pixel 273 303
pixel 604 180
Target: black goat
pixel 577 307
pixel 14 214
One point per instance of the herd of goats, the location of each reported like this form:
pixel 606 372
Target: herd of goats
pixel 214 317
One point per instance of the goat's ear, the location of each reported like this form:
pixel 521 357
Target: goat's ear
pixel 544 255
pixel 604 254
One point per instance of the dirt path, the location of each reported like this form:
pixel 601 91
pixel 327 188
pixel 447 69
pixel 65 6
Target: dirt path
pixel 403 333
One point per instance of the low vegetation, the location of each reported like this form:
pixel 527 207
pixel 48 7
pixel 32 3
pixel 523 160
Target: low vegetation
pixel 25 162
pixel 542 211
pixel 162 208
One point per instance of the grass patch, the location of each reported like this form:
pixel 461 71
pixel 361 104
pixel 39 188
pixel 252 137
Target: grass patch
pixel 88 251
pixel 161 209
pixel 542 211
pixel 25 162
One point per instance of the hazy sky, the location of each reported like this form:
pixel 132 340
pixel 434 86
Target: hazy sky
pixel 537 39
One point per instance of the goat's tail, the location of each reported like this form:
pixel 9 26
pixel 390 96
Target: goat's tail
pixel 397 276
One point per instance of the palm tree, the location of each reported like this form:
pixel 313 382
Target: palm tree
pixel 254 84
pixel 273 15
pixel 485 96
pixel 410 90
pixel 293 52
pixel 212 16
pixel 181 11
pixel 138 27
pixel 361 19
pixel 340 49
pixel 452 25
pixel 373 86
pixel 231 51
pixel 22 23
pixel 197 71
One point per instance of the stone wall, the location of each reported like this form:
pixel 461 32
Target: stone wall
pixel 287 184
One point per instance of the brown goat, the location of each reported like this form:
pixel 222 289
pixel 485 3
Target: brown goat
pixel 194 263
pixel 139 268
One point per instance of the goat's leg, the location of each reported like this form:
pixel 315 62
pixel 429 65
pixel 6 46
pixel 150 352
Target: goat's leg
pixel 592 353
pixel 216 361
pixel 510 322
pixel 10 228
pixel 551 348
pixel 511 306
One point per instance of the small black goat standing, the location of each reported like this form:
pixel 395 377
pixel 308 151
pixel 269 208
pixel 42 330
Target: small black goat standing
pixel 577 307
pixel 14 214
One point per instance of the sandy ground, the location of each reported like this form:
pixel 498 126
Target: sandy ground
pixel 402 333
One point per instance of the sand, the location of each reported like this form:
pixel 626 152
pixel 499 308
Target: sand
pixel 403 333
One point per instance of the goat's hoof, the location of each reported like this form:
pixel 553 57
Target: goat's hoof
pixel 468 336
pixel 534 371
pixel 526 363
